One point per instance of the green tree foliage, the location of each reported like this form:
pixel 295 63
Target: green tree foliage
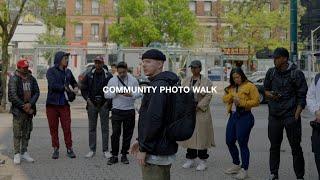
pixel 145 21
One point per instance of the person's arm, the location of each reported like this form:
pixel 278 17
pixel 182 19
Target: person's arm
pixel 312 103
pixel 84 87
pixel 253 100
pixel 73 81
pixel 13 93
pixel 205 101
pixel 228 96
pixel 136 94
pixel 36 93
pixel 155 117
pixel 112 83
pixel 267 84
pixel 53 84
pixel 302 89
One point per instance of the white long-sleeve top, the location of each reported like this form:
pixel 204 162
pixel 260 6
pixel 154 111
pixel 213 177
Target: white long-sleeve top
pixel 119 101
pixel 313 97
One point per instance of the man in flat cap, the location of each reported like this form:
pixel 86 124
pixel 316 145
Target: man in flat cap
pixel 286 88
pixel 154 152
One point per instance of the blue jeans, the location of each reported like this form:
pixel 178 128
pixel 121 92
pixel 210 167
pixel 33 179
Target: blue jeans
pixel 238 129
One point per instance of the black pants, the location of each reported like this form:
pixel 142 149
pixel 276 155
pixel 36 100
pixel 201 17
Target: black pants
pixel 315 141
pixel 127 118
pixel 275 134
pixel 194 153
pixel 317 159
pixel 93 112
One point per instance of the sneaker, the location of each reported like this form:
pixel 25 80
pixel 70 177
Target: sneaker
pixel 273 177
pixel 242 174
pixel 112 160
pixel 27 157
pixel 201 166
pixel 70 153
pixel 233 170
pixel 188 164
pixel 124 159
pixel 55 154
pixel 17 159
pixel 2 161
pixel 107 154
pixel 90 154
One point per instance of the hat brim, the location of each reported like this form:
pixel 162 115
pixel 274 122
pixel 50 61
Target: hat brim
pixel 192 66
pixel 66 54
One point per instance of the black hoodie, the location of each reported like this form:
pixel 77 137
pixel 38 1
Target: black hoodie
pixel 291 85
pixel 153 118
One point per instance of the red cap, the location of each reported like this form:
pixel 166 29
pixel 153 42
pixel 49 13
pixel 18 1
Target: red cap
pixel 22 63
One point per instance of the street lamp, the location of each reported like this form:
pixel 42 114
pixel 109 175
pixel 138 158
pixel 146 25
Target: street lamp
pixel 312 45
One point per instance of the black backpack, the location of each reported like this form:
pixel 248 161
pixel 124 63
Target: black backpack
pixel 182 121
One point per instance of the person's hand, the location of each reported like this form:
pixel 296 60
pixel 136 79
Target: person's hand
pixel 127 94
pixel 236 101
pixel 89 101
pixel 75 90
pixel 134 148
pixel 141 157
pixel 318 116
pixel 272 95
pixel 27 107
pixel 298 112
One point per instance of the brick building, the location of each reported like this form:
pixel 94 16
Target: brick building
pixel 88 21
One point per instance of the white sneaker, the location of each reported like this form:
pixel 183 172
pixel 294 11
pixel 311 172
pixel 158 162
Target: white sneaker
pixel 17 159
pixel 188 164
pixel 90 154
pixel 201 166
pixel 242 174
pixel 27 157
pixel 233 170
pixel 107 154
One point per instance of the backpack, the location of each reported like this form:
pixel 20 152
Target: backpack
pixel 182 121
pixel 316 79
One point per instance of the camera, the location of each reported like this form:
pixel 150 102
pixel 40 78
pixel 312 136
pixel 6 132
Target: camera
pixel 274 93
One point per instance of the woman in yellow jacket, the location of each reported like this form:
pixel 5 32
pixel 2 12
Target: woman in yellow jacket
pixel 241 95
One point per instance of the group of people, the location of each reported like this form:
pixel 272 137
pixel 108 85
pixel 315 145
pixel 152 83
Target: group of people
pixel 285 87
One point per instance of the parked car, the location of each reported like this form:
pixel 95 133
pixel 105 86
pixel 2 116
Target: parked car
pixel 258 81
pixel 143 80
pixel 216 74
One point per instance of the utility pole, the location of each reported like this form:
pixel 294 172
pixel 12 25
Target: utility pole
pixel 293 32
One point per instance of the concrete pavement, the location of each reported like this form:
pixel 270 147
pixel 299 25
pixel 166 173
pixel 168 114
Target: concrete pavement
pixel 97 168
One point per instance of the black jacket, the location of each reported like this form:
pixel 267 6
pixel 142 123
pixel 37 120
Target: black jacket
pixel 291 85
pixel 15 94
pixel 153 118
pixel 87 89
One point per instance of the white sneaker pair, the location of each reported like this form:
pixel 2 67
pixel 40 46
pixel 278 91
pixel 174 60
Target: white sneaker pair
pixel 191 163
pixel 106 154
pixel 25 156
pixel 240 172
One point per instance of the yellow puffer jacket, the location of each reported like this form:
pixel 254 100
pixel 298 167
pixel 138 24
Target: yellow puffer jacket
pixel 248 95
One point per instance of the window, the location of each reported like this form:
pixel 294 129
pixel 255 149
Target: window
pixel 192 6
pixel 267 33
pixel 267 6
pixel 283 34
pixel 227 32
pixel 79 7
pixel 78 32
pixel 208 36
pixel 208 8
pixel 95 7
pixel 95 32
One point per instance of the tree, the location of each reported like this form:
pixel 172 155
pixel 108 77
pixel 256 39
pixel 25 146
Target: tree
pixel 146 21
pixel 256 27
pixel 8 24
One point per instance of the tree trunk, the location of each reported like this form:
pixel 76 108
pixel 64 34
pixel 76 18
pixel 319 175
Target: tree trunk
pixel 5 64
